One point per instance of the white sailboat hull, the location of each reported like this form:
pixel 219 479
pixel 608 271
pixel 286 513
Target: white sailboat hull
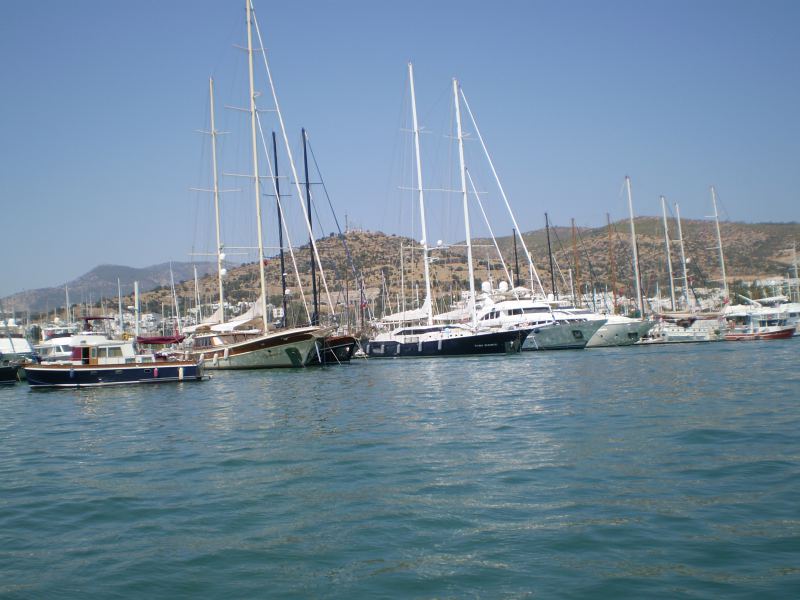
pixel 280 349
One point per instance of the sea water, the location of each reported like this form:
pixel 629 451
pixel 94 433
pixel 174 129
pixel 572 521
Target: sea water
pixel 640 472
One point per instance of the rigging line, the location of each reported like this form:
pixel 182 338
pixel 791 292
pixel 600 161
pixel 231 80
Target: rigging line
pixel 292 165
pixel 503 194
pixel 491 233
pixel 555 260
pixel 586 254
pixel 622 242
pixel 274 181
pixel 336 220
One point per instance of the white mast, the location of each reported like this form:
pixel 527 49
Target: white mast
pixel 428 296
pixel 220 254
pixel 719 242
pixel 256 180
pixel 402 280
pixel 505 199
pixel 794 260
pixel 136 308
pixel 463 169
pixel 669 254
pixel 175 300
pixel 199 315
pixel 639 298
pixel 683 258
pixel 119 307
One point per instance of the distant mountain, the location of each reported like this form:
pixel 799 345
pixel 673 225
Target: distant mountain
pixel 101 282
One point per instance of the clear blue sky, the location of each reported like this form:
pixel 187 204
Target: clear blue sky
pixel 101 101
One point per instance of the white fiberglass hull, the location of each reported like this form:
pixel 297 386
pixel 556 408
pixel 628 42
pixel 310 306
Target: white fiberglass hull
pixel 562 336
pixel 620 334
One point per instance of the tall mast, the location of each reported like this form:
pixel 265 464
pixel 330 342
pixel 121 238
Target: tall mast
pixel 425 261
pixel 136 308
pixel 683 258
pixel 178 327
pixel 463 169
pixel 256 180
pixel 612 265
pixel 550 256
pixel 719 243
pixel 119 307
pixel 197 297
pixel 402 280
pixel 794 260
pixel 220 254
pixel 575 259
pixel 280 225
pixel 669 255
pixel 314 297
pixel 639 298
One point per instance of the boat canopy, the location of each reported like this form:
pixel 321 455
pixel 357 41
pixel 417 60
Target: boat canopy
pixel 212 319
pixel 406 316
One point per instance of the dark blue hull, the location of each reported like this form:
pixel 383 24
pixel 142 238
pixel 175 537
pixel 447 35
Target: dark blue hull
pixel 8 374
pixel 334 350
pixel 501 342
pixel 98 375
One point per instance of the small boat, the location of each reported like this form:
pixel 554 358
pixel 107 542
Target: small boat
pixel 679 328
pixel 757 324
pixel 98 360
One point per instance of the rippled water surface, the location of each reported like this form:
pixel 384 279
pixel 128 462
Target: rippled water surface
pixel 653 472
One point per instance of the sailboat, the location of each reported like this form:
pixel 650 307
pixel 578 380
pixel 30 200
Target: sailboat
pixel 428 339
pixel 757 322
pixel 619 330
pixel 241 344
pixel 334 348
pixel 682 326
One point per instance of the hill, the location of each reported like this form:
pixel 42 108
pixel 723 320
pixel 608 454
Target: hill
pixel 752 251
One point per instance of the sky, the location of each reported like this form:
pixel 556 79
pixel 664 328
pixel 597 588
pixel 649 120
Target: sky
pixel 101 103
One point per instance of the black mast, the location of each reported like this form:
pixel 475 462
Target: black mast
pixel 315 300
pixel 280 227
pixel 550 254
pixel 516 262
